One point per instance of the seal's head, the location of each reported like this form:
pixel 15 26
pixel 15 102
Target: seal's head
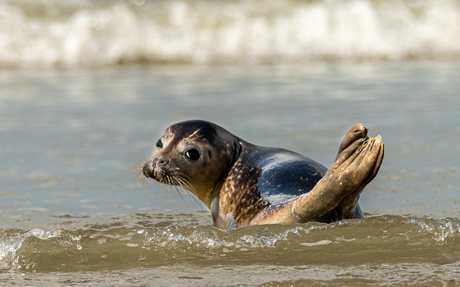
pixel 195 155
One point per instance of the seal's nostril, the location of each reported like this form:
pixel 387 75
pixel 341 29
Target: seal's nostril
pixel 159 162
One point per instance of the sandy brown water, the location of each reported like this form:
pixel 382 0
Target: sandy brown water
pixel 72 213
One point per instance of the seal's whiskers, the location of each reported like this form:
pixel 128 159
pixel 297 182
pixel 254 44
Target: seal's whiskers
pixel 179 180
pixel 191 137
pixel 138 168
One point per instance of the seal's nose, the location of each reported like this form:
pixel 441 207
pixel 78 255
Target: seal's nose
pixel 157 163
pixel 149 167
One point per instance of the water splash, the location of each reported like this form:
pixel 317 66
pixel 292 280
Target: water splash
pixel 379 238
pixel 440 228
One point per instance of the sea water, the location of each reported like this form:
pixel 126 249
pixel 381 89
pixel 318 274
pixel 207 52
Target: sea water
pixel 75 121
pixel 70 33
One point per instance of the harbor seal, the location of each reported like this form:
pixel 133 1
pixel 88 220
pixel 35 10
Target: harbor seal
pixel 245 184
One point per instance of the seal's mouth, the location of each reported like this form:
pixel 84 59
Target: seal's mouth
pixel 160 171
pixel 146 170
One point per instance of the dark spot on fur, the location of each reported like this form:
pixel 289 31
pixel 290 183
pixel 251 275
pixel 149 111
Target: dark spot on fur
pixel 245 201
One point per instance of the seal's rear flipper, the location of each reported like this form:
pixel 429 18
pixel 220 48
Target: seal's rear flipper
pixel 336 195
pixel 358 161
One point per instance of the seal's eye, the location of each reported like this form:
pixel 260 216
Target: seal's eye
pixel 159 143
pixel 192 154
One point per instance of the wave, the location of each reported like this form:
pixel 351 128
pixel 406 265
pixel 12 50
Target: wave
pixel 377 239
pixel 102 33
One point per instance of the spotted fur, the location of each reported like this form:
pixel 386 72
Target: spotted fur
pixel 244 184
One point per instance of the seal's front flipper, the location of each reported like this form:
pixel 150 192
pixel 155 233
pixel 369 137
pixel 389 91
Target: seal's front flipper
pixel 337 193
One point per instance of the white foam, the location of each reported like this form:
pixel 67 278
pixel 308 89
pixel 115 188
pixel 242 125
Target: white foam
pixel 241 32
pixel 319 243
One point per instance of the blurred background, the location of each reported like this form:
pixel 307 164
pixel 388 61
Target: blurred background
pixel 76 33
pixel 87 87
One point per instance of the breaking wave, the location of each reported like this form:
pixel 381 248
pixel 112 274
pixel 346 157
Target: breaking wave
pixel 372 240
pixel 82 33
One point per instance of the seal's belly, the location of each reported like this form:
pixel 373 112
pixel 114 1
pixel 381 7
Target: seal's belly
pixel 286 175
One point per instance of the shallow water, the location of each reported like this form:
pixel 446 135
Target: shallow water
pixel 72 213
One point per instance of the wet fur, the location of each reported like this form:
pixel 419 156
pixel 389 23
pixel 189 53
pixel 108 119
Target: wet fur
pixel 235 194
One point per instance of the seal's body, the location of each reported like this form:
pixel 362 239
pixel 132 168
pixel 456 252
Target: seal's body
pixel 244 184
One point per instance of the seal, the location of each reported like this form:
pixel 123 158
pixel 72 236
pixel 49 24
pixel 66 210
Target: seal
pixel 245 184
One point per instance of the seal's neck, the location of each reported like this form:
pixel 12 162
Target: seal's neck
pixel 238 146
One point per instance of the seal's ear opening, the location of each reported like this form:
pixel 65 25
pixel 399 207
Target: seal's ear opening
pixel 209 154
